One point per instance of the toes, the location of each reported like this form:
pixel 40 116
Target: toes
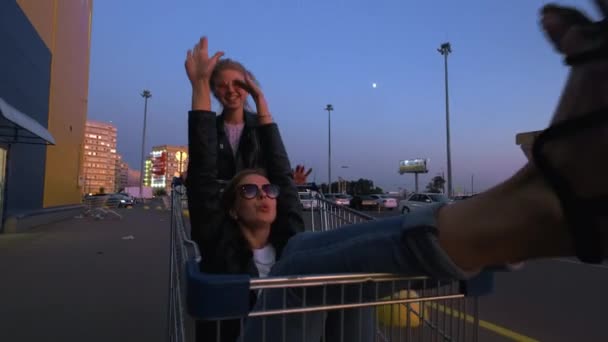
pixel 561 24
pixel 602 5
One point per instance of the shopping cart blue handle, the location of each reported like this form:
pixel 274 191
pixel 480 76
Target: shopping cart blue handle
pixel 216 296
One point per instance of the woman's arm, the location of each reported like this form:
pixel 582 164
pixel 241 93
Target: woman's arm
pixel 202 186
pixel 289 212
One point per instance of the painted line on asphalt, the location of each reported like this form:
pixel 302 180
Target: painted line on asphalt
pixel 568 261
pixel 495 328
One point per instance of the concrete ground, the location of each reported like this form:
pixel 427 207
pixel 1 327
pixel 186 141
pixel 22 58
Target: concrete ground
pixel 87 280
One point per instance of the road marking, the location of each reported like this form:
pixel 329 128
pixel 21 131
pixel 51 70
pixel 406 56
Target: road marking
pixel 146 207
pixel 510 334
pixel 568 261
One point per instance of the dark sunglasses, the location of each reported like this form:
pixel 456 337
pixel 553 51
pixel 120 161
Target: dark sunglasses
pixel 251 191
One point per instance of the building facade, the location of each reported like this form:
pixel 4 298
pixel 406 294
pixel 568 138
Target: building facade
pixel 100 157
pixel 148 171
pixel 134 178
pixel 42 109
pixel 167 162
pixel 121 175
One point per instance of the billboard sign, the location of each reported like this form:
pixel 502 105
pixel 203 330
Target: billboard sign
pixel 413 166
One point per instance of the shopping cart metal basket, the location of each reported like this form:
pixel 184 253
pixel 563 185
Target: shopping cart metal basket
pixel 416 309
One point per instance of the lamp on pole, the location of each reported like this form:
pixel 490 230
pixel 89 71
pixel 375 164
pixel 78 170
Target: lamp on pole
pixel 329 108
pixel 146 94
pixel 445 49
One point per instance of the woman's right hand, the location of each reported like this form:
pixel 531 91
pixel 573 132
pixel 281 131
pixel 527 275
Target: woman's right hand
pixel 199 66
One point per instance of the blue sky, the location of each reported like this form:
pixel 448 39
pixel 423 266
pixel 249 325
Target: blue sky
pixel 504 78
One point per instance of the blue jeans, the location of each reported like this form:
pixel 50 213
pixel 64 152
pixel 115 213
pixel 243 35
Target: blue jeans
pixel 405 245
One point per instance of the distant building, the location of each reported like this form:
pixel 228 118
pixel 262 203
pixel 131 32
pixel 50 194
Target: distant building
pixel 148 171
pixel 99 162
pixel 121 174
pixel 133 178
pixel 167 162
pixel 44 66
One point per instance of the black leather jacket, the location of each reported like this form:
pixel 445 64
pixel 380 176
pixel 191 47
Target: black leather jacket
pixel 223 248
pixel 249 155
pixel 210 226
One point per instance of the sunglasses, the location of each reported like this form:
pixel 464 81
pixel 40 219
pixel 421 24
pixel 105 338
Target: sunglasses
pixel 251 191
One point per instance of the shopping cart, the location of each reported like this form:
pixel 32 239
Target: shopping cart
pixel 100 207
pixel 325 215
pixel 415 309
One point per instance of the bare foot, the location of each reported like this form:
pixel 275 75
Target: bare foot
pixel 523 217
pixel 580 159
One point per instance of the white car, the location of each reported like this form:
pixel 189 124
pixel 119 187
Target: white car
pixel 385 202
pixel 309 199
pixel 339 199
pixel 417 201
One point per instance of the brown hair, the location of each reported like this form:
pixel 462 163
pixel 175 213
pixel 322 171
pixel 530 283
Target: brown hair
pixel 230 192
pixel 230 64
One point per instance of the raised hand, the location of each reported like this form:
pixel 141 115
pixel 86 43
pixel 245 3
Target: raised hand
pixel 199 66
pixel 251 87
pixel 300 174
pixel 258 97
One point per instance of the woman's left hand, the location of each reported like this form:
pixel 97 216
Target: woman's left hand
pixel 258 97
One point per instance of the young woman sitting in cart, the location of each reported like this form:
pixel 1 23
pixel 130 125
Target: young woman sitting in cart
pixel 554 206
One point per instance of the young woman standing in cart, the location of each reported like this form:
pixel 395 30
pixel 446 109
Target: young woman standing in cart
pixel 241 242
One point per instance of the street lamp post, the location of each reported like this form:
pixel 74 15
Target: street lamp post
pixel 146 94
pixel 472 184
pixel 329 108
pixel 345 181
pixel 445 49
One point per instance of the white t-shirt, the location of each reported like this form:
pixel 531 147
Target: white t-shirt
pixel 234 134
pixel 264 259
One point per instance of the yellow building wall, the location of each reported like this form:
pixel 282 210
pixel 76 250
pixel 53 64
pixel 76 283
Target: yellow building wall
pixel 65 26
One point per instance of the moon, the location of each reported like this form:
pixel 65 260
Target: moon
pixel 374 85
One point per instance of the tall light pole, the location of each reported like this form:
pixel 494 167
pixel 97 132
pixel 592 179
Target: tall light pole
pixel 146 94
pixel 472 182
pixel 445 49
pixel 329 108
pixel 345 181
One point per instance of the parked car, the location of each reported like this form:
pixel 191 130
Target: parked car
pixel 133 199
pixel 462 197
pixel 120 200
pixel 417 201
pixel 385 202
pixel 339 199
pixel 363 202
pixel 309 199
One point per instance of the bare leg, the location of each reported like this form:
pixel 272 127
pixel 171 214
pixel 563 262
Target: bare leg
pixel 517 220
pixel 522 218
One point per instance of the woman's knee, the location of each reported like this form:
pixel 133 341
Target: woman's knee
pixel 296 242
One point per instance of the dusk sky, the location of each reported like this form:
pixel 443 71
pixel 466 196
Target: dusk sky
pixel 504 78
